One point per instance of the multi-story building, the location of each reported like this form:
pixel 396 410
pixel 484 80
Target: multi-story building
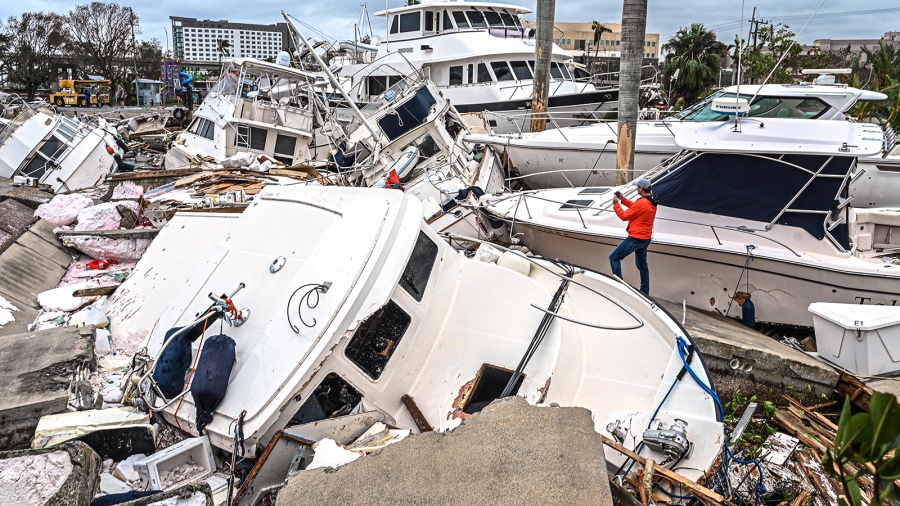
pixel 197 41
pixel 578 39
pixel 855 45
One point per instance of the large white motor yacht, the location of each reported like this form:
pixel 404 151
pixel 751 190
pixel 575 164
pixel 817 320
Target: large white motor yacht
pixel 763 210
pixel 358 307
pixel 479 55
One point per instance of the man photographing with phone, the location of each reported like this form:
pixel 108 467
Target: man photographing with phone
pixel 640 215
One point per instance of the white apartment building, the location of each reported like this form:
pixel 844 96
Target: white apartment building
pixel 198 41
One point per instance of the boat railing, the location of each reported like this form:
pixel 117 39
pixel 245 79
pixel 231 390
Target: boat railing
pixel 558 120
pixel 10 127
pixel 606 207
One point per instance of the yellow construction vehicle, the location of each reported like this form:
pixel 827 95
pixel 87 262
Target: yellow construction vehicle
pixel 71 92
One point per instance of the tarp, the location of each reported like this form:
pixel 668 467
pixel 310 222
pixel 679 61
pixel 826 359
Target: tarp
pixel 757 187
pixel 409 115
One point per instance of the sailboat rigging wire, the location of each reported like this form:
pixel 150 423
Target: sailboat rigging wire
pixel 787 51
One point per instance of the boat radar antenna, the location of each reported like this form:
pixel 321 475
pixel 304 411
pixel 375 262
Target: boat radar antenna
pixel 826 76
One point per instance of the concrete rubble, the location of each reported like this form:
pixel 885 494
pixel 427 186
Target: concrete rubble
pixel 510 453
pixel 67 475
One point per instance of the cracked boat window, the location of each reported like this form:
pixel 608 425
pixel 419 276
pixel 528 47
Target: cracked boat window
pixel 377 338
pixel 333 397
pixel 418 269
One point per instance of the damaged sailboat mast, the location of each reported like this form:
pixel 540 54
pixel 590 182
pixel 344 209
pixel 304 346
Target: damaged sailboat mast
pixel 334 81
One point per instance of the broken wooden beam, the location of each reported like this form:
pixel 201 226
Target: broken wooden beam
pixel 151 174
pixel 699 491
pixel 859 394
pixel 134 233
pixel 95 292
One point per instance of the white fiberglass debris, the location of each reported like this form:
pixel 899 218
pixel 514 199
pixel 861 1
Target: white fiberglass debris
pixel 125 469
pixel 63 209
pixel 123 250
pixel 6 309
pixel 61 299
pixel 331 454
pixel 31 480
pixel 241 159
pixel 109 484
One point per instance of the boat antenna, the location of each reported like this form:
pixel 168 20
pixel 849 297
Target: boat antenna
pixel 737 95
pixel 334 81
pixel 787 51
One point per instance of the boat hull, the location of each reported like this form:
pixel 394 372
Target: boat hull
pixel 781 291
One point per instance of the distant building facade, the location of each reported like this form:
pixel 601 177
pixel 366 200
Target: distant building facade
pixel 196 41
pixel 578 39
pixel 855 45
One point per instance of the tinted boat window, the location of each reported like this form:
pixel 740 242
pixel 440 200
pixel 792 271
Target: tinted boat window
pixel 483 75
pixel 501 70
pixel 376 339
pixel 394 24
pixel 493 19
pixel 418 269
pixel 508 20
pixel 476 19
pixel 448 25
pixel 461 20
pixel 520 69
pixel 456 75
pixel 555 73
pixel 410 22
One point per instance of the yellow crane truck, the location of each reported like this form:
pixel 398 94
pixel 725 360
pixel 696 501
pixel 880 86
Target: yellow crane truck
pixel 71 92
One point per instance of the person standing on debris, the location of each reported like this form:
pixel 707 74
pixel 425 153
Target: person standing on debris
pixel 640 216
pixel 120 96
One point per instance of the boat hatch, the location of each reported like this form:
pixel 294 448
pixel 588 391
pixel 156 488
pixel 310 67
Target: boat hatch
pixel 333 397
pixel 377 338
pixel 572 205
pixel 489 384
pixel 594 191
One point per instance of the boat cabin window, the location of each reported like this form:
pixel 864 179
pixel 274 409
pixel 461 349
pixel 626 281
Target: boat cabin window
pixel 429 21
pixel 489 384
pixel 572 205
pixel 203 128
pixel 284 148
pixel 483 75
pixel 448 25
pixel 377 338
pixel 520 70
pixel 762 107
pixel 565 71
pixel 471 74
pixel 418 269
pixel 410 22
pixel 509 20
pixel 395 24
pixel 476 18
pixel 251 137
pixel 493 19
pixel 456 75
pixel 45 157
pixel 333 397
pixel 555 73
pixel 502 71
pixel 460 18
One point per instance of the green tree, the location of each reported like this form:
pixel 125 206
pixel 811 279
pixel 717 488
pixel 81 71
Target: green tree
pixel 102 38
pixel 696 55
pixel 599 29
pixel 771 46
pixel 38 41
pixel 881 72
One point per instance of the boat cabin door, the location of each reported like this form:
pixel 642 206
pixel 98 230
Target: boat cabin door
pixel 432 23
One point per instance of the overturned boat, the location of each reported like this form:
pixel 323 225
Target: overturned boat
pixel 761 208
pixel 360 309
pixel 40 146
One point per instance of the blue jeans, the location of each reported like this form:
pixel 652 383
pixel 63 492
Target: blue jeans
pixel 639 248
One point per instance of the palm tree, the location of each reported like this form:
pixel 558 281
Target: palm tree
pixel 697 56
pixel 599 29
pixel 634 28
pixel 881 72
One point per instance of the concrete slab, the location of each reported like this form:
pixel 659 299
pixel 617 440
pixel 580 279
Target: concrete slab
pixel 22 277
pixel 67 475
pixel 511 453
pixel 44 230
pixel 734 351
pixel 14 216
pixel 28 195
pixel 46 250
pixel 40 370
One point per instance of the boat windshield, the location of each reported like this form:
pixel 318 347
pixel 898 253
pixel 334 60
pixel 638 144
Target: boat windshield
pixel 763 107
pixel 226 85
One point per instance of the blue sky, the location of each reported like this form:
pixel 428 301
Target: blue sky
pixel 836 19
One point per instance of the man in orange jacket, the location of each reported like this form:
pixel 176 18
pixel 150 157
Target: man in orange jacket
pixel 640 216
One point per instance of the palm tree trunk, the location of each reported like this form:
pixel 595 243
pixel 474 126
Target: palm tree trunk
pixel 546 12
pixel 634 25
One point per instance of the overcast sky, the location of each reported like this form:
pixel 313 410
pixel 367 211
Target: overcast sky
pixel 860 19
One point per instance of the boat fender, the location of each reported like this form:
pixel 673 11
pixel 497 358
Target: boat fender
pixel 122 144
pixel 211 377
pixel 514 261
pixel 173 363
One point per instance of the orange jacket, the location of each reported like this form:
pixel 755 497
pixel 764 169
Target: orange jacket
pixel 640 216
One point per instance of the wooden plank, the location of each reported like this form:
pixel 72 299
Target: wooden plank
pixel 699 491
pixel 95 292
pixel 818 417
pixel 859 394
pixel 794 426
pixel 151 174
pixel 133 233
pixel 417 415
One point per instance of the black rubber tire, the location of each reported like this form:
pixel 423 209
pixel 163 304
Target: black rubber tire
pixel 179 114
pixel 59 102
pixel 82 102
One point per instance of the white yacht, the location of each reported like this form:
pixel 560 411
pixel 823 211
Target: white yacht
pixel 43 147
pixel 359 306
pixel 479 55
pixel 586 155
pixel 256 107
pixel 763 210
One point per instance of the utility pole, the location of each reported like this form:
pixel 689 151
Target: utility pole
pixel 546 14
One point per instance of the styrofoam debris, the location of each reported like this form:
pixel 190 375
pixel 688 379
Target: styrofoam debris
pixel 61 299
pixel 63 209
pixel 103 216
pixel 487 253
pixel 123 250
pixel 90 315
pixel 31 480
pixel 127 190
pixel 109 484
pixel 6 309
pixel 125 469
pixel 331 454
pixel 237 160
pixel 103 343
